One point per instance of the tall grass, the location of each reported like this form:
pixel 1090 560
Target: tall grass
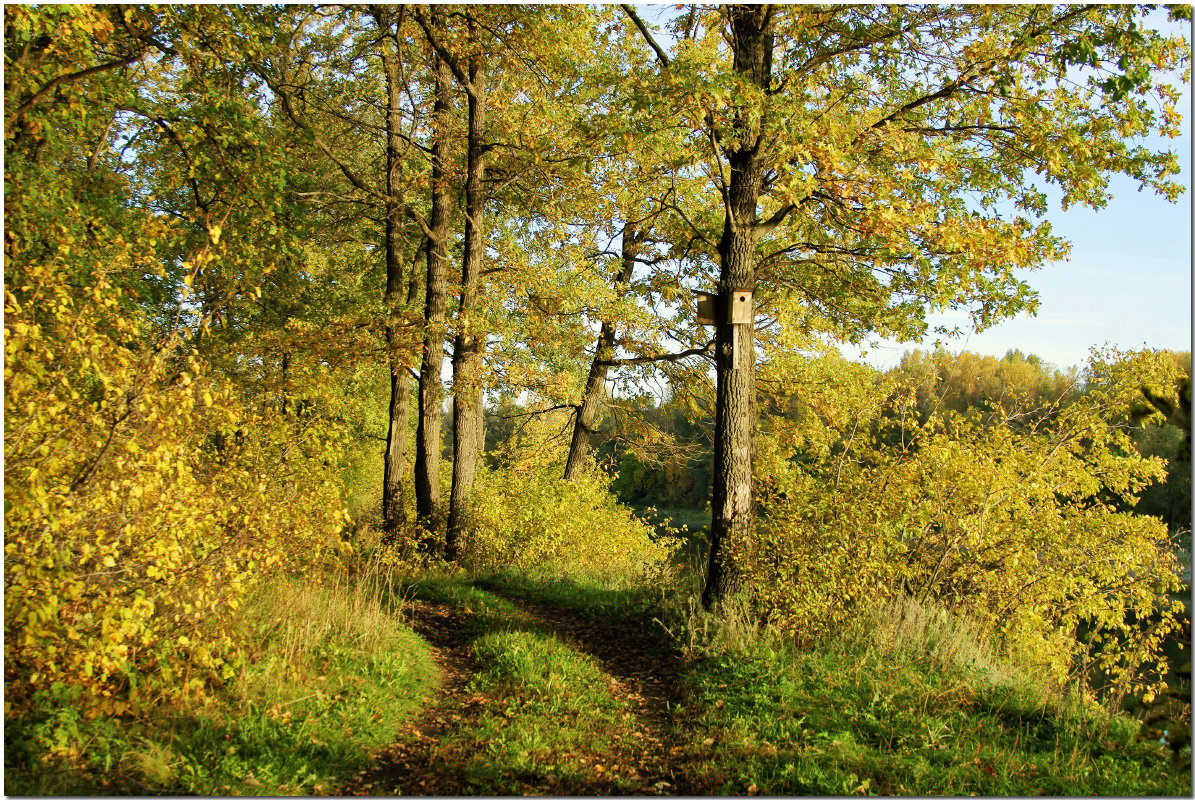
pixel 907 699
pixel 927 632
pixel 291 623
pixel 328 673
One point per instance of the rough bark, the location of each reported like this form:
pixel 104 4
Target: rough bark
pixel 467 408
pixel 595 383
pixel 732 526
pixel 393 509
pixel 427 435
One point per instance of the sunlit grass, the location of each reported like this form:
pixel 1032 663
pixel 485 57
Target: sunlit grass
pixel 329 675
pixel 910 700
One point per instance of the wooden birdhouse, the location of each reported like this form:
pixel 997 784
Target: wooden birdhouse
pixel 741 309
pixel 706 308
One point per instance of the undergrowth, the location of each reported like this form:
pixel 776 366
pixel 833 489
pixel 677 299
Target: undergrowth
pixel 909 699
pixel 328 675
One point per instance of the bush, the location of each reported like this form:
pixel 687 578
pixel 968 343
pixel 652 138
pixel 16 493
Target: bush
pixel 526 517
pixel 135 517
pixel 1010 519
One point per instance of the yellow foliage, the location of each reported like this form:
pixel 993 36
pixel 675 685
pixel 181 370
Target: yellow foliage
pixel 1018 520
pixel 525 516
pixel 132 525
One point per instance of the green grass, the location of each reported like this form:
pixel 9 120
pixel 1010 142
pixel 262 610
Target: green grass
pixel 909 701
pixel 589 598
pixel 548 716
pixel 845 719
pixel 912 704
pixel 329 677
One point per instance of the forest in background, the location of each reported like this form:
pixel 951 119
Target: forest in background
pixel 296 297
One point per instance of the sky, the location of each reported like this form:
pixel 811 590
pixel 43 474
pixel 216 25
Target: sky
pixel 1126 283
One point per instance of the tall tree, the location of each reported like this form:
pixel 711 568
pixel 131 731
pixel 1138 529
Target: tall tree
pixel 427 435
pixel 752 40
pixel 468 409
pixel 361 87
pixel 393 507
pixel 878 163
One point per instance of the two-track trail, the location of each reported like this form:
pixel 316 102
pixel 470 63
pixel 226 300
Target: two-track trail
pixel 640 668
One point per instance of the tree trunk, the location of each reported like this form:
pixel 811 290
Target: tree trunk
pixel 467 407
pixel 427 435
pixel 732 528
pixel 393 509
pixel 595 384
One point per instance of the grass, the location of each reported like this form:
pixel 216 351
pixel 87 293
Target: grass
pixel 911 700
pixel 329 676
pixel 548 716
pixel 907 703
pixel 587 597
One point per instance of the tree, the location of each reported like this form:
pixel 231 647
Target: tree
pixel 151 475
pixel 359 87
pixel 468 409
pixel 878 163
pixel 427 435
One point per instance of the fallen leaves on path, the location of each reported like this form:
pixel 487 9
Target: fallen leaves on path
pixel 644 757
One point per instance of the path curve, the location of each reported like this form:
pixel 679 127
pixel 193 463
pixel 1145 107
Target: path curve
pixel 641 669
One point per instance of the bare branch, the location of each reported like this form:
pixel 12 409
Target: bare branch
pixel 704 350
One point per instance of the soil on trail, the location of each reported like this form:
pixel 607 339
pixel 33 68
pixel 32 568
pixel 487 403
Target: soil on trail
pixel 641 669
pixel 408 766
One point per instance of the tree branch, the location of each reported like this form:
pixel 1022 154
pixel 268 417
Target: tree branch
pixel 445 54
pixel 73 76
pixel 681 356
pixel 660 54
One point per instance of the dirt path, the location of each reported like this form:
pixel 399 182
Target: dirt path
pixel 641 670
pixel 409 766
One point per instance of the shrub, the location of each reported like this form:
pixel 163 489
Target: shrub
pixel 525 516
pixel 1010 518
pixel 135 518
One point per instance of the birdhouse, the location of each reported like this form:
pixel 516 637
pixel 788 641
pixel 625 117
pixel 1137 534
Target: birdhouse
pixel 706 305
pixel 741 310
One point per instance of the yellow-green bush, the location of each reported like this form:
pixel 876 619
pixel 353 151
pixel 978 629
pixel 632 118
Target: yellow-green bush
pixel 154 468
pixel 129 531
pixel 1012 519
pixel 526 516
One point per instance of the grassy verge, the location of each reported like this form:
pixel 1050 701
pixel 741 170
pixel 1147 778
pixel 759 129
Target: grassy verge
pixel 861 716
pixel 329 676
pixel 911 701
pixel 589 598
